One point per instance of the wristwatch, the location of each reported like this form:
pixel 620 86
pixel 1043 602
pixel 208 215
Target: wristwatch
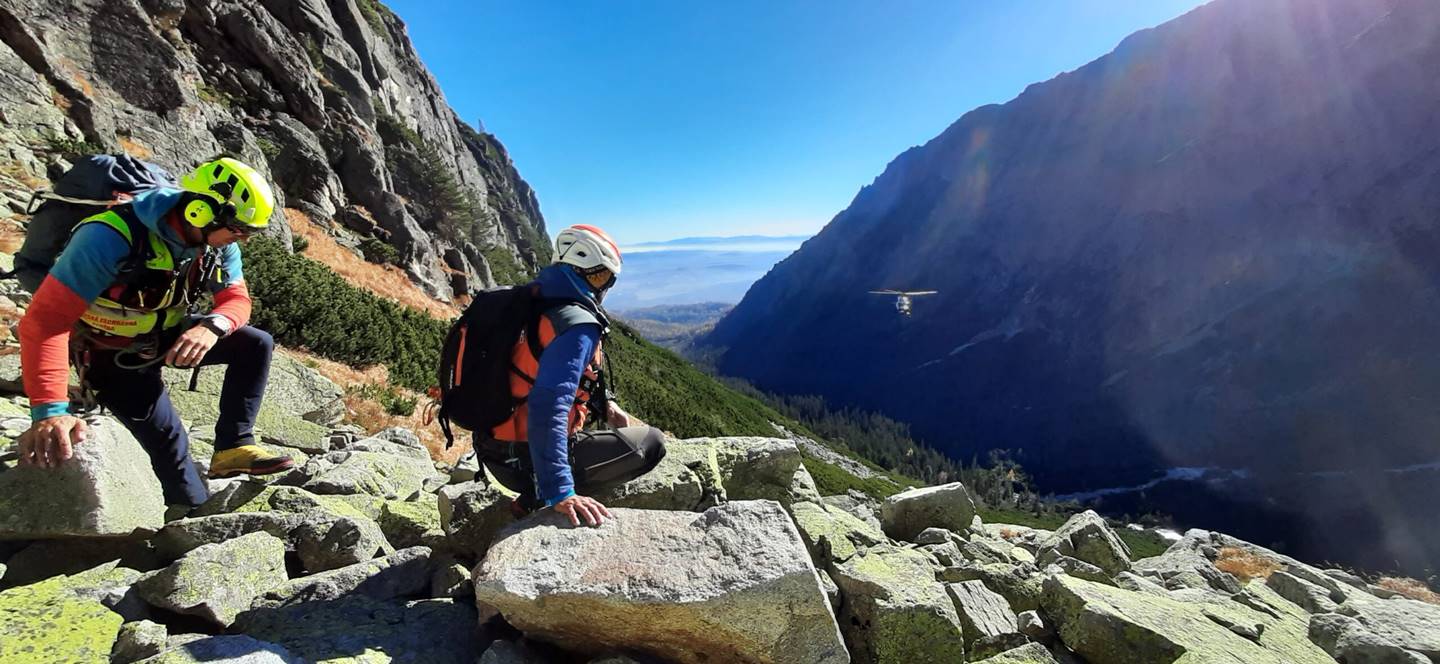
pixel 214 326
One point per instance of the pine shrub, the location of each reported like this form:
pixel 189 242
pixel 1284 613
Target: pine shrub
pixel 303 303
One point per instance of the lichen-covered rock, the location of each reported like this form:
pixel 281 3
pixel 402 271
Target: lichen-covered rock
pixel 673 484
pixel 1106 624
pixel 106 489
pixel 1409 624
pixel 893 609
pixel 293 391
pixel 260 497
pixel 471 514
pixel 908 513
pixel 858 505
pixel 1087 538
pixel 1020 585
pixel 359 628
pixel 733 583
pixel 387 446
pixel 1347 640
pixel 1030 653
pixel 1078 569
pixel 757 468
pixel 180 537
pixel 46 558
pixel 982 549
pixel 832 534
pixel 413 523
pixel 405 573
pixel 374 473
pixel 237 649
pixel 322 540
pixel 401 436
pixel 982 611
pixel 138 640
pixel 218 581
pixel 51 622
pixel 331 542
pixel 1304 594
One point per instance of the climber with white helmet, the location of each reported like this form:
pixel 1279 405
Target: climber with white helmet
pixel 541 451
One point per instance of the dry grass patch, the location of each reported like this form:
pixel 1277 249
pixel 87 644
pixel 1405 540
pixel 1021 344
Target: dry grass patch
pixel 1412 588
pixel 386 281
pixel 12 235
pixel 367 412
pixel 1245 565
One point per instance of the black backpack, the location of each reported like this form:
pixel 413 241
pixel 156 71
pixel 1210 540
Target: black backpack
pixel 93 185
pixel 475 364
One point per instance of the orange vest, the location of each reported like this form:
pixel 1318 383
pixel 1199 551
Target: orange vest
pixel 528 364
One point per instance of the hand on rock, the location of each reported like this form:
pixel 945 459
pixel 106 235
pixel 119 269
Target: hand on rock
pixel 574 506
pixel 51 441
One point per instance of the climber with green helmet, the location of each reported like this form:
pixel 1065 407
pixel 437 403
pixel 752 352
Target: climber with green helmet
pixel 124 297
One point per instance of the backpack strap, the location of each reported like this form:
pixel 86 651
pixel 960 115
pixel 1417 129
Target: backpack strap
pixel 135 233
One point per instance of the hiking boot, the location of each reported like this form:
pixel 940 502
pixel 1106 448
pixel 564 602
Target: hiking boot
pixel 247 460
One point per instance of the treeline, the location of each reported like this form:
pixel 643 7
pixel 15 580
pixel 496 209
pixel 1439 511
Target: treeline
pixel 998 480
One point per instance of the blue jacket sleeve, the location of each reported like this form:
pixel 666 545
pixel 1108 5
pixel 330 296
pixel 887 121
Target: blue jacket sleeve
pixel 91 260
pixel 556 380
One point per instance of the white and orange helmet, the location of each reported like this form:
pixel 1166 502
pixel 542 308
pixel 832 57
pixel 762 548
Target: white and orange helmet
pixel 587 248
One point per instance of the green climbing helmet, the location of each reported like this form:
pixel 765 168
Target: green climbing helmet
pixel 230 194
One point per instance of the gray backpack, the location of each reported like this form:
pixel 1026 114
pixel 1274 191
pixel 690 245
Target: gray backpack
pixel 93 185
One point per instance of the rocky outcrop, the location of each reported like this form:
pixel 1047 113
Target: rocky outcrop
pixel 908 513
pixel 329 99
pixel 733 583
pixel 1087 538
pixel 1106 624
pixel 58 621
pixel 804 580
pixel 218 581
pixel 893 610
pixel 107 488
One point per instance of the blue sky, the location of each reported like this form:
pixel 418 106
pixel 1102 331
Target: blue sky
pixel 658 120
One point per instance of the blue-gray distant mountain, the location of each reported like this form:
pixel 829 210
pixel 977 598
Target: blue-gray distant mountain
pixel 1218 245
pixel 695 270
pixel 746 241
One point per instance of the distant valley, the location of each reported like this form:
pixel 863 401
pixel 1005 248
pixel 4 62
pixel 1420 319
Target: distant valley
pixel 1214 247
pixel 675 326
pixel 695 270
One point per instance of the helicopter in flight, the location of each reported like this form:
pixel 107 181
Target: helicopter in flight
pixel 902 298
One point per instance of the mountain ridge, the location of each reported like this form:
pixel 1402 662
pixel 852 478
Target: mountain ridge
pixel 1209 247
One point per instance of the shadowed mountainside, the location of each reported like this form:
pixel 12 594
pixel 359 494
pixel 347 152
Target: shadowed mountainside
pixel 1213 247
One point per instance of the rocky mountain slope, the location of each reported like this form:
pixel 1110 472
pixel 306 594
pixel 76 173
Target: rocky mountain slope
pixel 328 97
pixel 1211 247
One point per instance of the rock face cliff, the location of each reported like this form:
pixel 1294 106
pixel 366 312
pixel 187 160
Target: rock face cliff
pixel 326 96
pixel 1214 246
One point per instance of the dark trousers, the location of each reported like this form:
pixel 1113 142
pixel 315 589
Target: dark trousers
pixel 138 398
pixel 599 460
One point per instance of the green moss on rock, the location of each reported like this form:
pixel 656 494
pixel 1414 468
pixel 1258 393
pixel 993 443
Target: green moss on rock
pixel 48 622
